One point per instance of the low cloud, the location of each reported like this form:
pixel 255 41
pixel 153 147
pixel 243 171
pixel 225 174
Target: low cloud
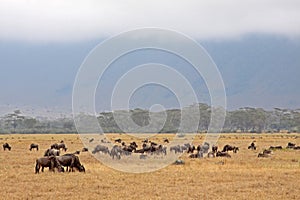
pixel 72 20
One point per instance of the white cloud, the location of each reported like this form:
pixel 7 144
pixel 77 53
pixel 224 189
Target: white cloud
pixel 71 20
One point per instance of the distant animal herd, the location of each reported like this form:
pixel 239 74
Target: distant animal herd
pixel 53 160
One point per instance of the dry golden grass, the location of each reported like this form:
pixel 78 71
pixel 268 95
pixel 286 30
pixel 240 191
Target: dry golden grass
pixel 244 176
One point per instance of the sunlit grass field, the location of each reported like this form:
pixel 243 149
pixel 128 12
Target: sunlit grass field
pixel 244 176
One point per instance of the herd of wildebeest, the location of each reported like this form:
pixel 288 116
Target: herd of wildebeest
pixel 53 160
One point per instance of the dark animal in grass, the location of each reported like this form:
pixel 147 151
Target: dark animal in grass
pixel 252 146
pixel 84 149
pixel 228 147
pixel 72 161
pixel 199 154
pixel 191 149
pixel 166 140
pixel 290 145
pixel 34 146
pixel 52 152
pixel 116 151
pixel 263 155
pixel 101 148
pixel 118 140
pixel 159 150
pixel 214 148
pixel 204 147
pixel 50 162
pixel 59 146
pixel 266 151
pixel 275 147
pixel 176 149
pixel 297 148
pixel 223 154
pixel 77 152
pixel 6 146
pixel 91 140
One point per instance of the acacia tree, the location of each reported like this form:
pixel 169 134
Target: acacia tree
pixel 13 120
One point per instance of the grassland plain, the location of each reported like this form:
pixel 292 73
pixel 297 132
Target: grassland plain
pixel 244 176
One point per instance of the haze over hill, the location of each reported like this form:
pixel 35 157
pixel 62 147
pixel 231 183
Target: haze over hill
pixel 256 50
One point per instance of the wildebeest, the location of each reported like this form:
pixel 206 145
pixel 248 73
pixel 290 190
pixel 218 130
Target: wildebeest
pixel 204 147
pixel 118 140
pixel 52 152
pixel 252 146
pixel 297 148
pixel 191 149
pixel 84 149
pixel 228 147
pixel 214 148
pixel 199 154
pixel 91 140
pixel 34 146
pixel 266 151
pixel 290 145
pixel 116 151
pixel 223 154
pixel 275 147
pixel 6 146
pixel 166 140
pixel 71 160
pixel 176 149
pixel 101 148
pixel 50 162
pixel 59 146
pixel 263 155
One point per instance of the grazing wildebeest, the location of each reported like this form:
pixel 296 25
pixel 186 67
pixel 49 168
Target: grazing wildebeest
pixel 199 154
pixel 59 146
pixel 116 151
pixel 50 162
pixel 52 152
pixel 118 140
pixel 191 149
pixel 101 148
pixel 34 146
pixel 84 149
pixel 91 140
pixel 176 149
pixel 297 148
pixel 166 140
pixel 223 154
pixel 228 147
pixel 160 149
pixel 71 160
pixel 275 148
pixel 204 147
pixel 290 145
pixel 6 146
pixel 214 148
pixel 266 151
pixel 77 152
pixel 263 155
pixel 252 146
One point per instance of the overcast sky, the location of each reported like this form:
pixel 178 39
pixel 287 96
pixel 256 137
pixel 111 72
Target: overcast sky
pixel 70 20
pixel 255 44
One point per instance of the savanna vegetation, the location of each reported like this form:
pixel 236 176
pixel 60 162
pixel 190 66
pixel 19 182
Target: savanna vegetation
pixel 243 176
pixel 255 120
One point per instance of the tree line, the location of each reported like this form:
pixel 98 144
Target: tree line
pixel 246 119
